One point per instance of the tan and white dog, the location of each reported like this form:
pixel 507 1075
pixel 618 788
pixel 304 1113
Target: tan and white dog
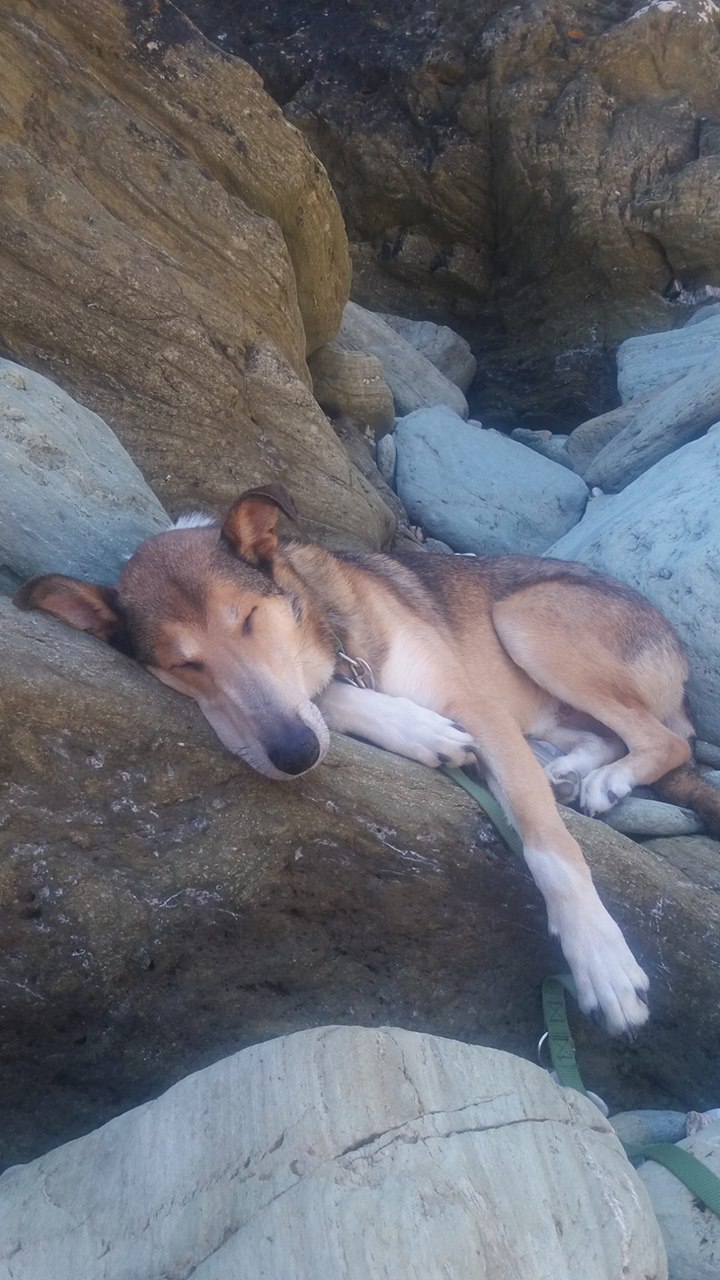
pixel 468 656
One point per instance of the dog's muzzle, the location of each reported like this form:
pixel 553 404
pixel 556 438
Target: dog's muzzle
pixel 296 751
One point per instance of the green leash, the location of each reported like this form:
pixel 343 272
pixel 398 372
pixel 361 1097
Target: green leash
pixel 699 1180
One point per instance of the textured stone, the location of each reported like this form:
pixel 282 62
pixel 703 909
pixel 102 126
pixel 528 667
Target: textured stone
pixel 707 753
pixel 162 905
pixel 386 457
pixel 697 857
pixel 545 178
pixel 447 350
pixel 480 491
pixel 415 382
pixel 586 441
pixel 550 444
pixel 642 1127
pixel 654 360
pixel 171 250
pixel 71 500
pixel 690 1230
pixel 347 1152
pixel 349 382
pixel 661 535
pixel 636 816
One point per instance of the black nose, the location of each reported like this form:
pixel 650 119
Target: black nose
pixel 297 749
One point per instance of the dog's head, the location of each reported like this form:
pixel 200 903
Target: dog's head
pixel 201 608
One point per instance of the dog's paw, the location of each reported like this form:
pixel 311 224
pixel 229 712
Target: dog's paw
pixel 427 737
pixel 609 981
pixel 604 788
pixel 564 781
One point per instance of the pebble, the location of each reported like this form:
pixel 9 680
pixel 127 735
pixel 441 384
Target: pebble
pixel 642 1127
pixel 707 753
pixel 638 817
pixel 386 458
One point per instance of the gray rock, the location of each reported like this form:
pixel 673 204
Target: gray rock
pixel 697 857
pixel 710 311
pixel 661 535
pixel 654 360
pixel 386 458
pixel 547 443
pixel 683 411
pixel 414 381
pixel 642 1127
pixel 71 499
pixel 480 491
pixel 635 816
pixel 440 548
pixel 691 1232
pixel 707 753
pixel 713 777
pixel 343 1152
pixel 440 345
pixel 586 441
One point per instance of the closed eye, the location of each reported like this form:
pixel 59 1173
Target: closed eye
pixel 247 625
pixel 188 666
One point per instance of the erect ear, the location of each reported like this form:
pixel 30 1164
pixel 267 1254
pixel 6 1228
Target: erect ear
pixel 251 523
pixel 82 604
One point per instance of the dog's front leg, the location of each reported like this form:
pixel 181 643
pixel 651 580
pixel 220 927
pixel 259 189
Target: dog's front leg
pixel 397 724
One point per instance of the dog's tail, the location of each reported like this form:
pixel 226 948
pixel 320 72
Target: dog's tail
pixel 685 786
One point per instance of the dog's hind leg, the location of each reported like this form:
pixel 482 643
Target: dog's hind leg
pixel 627 674
pixel 583 752
pixel 606 973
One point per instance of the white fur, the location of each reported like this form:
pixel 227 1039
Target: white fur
pixel 194 520
pixel 607 975
pixel 396 724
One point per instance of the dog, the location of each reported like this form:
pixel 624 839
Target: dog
pixel 441 659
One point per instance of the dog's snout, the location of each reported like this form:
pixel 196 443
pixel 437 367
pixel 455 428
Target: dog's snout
pixel 296 750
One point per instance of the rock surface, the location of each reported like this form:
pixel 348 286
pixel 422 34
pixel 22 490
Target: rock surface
pixel 346 1152
pixel 447 350
pixel 414 381
pixel 690 1230
pixel 550 444
pixel 544 177
pixel 350 382
pixel 652 361
pixel 162 906
pixel 697 857
pixel 480 491
pixel 637 816
pixel 642 1127
pixel 71 500
pixel 171 251
pixel 661 535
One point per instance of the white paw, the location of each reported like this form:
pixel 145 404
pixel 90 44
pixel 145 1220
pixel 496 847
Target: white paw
pixel 607 976
pixel 425 736
pixel 604 788
pixel 564 781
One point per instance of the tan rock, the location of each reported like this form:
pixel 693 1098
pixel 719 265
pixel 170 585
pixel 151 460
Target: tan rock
pixel 171 249
pixel 161 904
pixel 350 382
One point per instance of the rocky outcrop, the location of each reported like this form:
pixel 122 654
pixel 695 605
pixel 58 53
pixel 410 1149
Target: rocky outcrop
pixel 346 1152
pixel 661 535
pixel 71 500
pixel 480 491
pixel 161 905
pixel 171 250
pixel 545 177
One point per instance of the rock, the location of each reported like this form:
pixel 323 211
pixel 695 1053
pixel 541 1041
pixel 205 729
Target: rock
pixel 444 348
pixel 713 777
pixel 386 458
pixel 415 382
pixel 360 452
pixel 643 1127
pixel 550 445
pixel 711 312
pixel 707 753
pixel 586 441
pixel 660 535
pixel 697 857
pixel 349 382
pixel 71 500
pixel 348 1152
pixel 442 548
pixel 479 491
pixel 678 414
pixel 455 185
pixel 639 817
pixel 174 254
pixel 161 903
pixel 691 1231
pixel 655 360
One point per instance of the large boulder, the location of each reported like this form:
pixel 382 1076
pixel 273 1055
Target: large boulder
pixel 71 500
pixel 344 1152
pixel 161 905
pixel 480 491
pixel 171 252
pixel 544 177
pixel 661 535
pixel 691 1231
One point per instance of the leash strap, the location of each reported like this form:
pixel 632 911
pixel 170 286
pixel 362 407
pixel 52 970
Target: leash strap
pixel 696 1176
pixel 487 801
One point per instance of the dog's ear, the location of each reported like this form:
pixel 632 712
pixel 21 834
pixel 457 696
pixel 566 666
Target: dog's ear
pixel 251 523
pixel 82 604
